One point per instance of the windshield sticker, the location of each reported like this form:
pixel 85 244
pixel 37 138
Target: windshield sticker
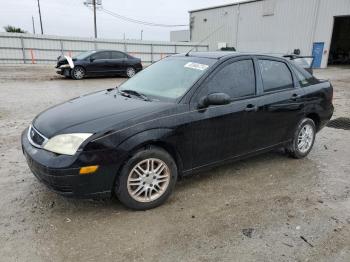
pixel 196 66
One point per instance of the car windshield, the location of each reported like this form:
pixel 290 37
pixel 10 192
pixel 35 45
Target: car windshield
pixel 83 55
pixel 169 78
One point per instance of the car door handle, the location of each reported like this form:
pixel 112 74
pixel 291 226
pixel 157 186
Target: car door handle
pixel 295 96
pixel 251 108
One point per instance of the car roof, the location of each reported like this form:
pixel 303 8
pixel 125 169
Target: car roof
pixel 106 50
pixel 226 54
pixel 213 55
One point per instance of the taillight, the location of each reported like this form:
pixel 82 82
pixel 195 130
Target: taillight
pixel 331 94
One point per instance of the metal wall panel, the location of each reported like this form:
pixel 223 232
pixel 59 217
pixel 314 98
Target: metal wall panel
pixel 138 48
pixel 289 25
pixel 164 49
pixel 41 44
pixel 328 9
pixel 180 36
pixel 75 45
pixel 28 48
pixel 287 29
pixel 217 25
pixel 11 54
pixel 10 42
pixel 112 46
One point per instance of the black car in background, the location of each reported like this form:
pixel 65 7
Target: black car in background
pixel 178 116
pixel 98 63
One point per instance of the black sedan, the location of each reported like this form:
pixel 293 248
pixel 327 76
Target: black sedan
pixel 180 115
pixel 98 63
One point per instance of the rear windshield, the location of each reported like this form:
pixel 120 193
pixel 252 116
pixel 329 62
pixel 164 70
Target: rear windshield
pixel 304 77
pixel 169 78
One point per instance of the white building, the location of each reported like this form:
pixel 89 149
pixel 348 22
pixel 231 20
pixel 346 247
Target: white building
pixel 180 36
pixel 316 27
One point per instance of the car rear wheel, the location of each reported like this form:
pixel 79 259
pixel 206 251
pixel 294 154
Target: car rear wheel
pixel 130 72
pixel 78 73
pixel 147 179
pixel 304 138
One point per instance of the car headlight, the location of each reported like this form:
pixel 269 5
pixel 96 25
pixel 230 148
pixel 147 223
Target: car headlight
pixel 64 66
pixel 66 144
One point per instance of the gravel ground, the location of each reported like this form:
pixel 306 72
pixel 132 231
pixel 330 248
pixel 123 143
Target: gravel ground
pixel 267 208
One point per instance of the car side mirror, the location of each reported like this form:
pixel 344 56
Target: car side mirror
pixel 214 99
pixel 92 59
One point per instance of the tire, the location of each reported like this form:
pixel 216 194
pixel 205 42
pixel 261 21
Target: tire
pixel 303 140
pixel 130 72
pixel 77 73
pixel 136 187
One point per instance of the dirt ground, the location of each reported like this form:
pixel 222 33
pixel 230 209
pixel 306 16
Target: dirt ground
pixel 268 208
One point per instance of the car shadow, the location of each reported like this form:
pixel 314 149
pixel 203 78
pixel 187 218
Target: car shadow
pixel 232 168
pixel 184 185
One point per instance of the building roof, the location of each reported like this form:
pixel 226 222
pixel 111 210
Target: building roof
pixel 225 5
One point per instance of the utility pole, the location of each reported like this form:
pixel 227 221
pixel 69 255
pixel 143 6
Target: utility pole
pixel 41 23
pixel 33 25
pixel 95 26
pixel 141 34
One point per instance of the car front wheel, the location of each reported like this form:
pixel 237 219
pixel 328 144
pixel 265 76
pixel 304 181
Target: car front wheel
pixel 304 138
pixel 147 179
pixel 78 73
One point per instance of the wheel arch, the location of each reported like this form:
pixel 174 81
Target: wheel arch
pixel 80 65
pixel 170 149
pixel 150 138
pixel 316 118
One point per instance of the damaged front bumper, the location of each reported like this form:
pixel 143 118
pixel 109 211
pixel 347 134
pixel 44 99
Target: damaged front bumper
pixel 66 68
pixel 64 71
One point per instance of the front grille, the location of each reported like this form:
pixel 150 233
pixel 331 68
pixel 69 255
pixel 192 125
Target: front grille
pixel 35 138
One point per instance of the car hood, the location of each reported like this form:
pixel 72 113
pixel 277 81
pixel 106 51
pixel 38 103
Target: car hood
pixel 93 113
pixel 63 60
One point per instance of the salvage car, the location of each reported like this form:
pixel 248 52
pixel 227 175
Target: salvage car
pixel 98 63
pixel 181 115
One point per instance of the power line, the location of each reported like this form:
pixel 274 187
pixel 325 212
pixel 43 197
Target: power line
pixel 131 20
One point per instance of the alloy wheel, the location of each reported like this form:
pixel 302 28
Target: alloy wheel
pixel 305 138
pixel 78 73
pixel 130 72
pixel 148 180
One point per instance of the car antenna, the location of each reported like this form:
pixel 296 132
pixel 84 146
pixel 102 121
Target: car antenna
pixel 206 38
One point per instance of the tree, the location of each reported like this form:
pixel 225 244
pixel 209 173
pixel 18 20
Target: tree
pixel 13 29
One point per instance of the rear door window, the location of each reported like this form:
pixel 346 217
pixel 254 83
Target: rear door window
pixel 118 55
pixel 101 55
pixel 236 79
pixel 275 75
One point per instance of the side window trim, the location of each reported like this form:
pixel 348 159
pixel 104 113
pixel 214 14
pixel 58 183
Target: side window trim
pixel 220 67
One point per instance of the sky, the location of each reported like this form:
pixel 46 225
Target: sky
pixel 73 18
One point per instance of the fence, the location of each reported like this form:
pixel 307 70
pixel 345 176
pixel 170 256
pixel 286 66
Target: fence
pixel 33 49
